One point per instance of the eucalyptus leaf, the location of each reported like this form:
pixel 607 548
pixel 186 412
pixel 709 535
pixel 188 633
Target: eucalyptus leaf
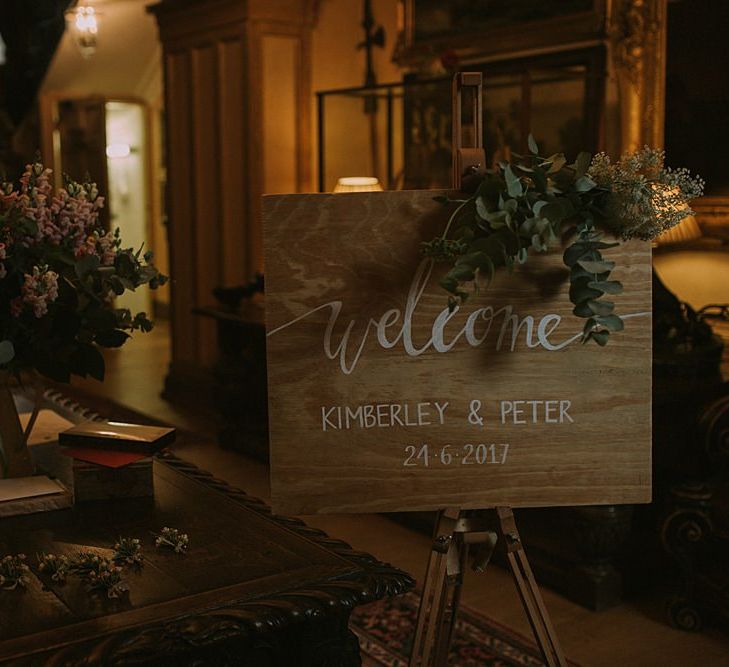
pixel 600 307
pixel 462 272
pixel 538 243
pixel 578 272
pixel 582 309
pixel 481 209
pixel 449 283
pixel 487 268
pixel 575 253
pixel 600 337
pixel 112 338
pixel 612 322
pixel 597 266
pixel 580 291
pixel 533 147
pixel 553 211
pixel 7 352
pixel 538 206
pixel 539 177
pixel 607 286
pixel 513 182
pixel 584 184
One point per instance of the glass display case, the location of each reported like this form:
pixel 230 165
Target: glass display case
pixel 401 133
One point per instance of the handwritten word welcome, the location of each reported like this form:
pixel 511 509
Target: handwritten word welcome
pixel 394 327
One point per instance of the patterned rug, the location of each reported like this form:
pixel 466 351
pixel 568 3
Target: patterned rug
pixel 386 629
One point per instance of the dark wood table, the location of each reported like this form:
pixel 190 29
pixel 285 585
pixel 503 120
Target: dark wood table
pixel 253 589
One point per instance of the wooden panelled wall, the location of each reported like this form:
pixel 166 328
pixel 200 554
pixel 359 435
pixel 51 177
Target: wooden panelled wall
pixel 238 100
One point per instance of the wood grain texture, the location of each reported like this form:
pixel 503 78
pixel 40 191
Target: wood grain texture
pixel 214 88
pixel 362 250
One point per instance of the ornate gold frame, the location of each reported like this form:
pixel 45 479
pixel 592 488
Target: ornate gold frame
pixel 634 32
pixel 564 33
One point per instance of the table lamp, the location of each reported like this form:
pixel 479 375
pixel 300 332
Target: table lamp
pixel 358 184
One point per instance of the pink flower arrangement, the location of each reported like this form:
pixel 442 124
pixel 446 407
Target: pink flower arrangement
pixel 38 290
pixel 60 270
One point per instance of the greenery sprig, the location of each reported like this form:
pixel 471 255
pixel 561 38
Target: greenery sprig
pixel 13 572
pixel 107 578
pixel 128 551
pixel 100 574
pixel 171 538
pixel 530 203
pixel 56 567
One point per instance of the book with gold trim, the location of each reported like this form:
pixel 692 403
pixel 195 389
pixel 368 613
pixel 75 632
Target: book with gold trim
pixel 118 436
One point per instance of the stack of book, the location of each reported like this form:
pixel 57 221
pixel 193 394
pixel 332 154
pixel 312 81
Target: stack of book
pixel 113 459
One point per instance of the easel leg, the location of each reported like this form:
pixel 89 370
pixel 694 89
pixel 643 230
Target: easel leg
pixel 529 593
pixel 432 628
pixel 444 580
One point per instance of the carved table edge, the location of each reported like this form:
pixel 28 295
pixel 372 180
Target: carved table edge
pixel 373 581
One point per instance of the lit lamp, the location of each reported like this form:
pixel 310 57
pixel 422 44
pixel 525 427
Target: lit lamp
pixel 686 230
pixel 358 184
pixel 84 25
pixel 118 150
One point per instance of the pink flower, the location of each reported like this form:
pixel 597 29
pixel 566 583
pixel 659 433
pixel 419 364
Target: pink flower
pixel 37 291
pixel 16 306
pixel 68 217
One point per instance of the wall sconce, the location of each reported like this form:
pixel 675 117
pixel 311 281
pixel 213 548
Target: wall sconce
pixel 358 184
pixel 118 150
pixel 84 24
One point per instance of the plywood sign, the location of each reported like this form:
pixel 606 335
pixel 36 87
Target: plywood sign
pixel 381 400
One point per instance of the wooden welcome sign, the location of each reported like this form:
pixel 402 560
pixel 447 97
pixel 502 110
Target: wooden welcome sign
pixel 382 400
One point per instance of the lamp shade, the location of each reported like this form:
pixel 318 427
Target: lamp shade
pixel 358 184
pixel 686 230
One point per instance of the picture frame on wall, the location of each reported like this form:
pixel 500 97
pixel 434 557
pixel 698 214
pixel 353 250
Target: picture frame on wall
pixel 561 94
pixel 473 29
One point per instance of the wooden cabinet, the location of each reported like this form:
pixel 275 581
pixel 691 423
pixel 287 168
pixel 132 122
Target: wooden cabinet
pixel 238 104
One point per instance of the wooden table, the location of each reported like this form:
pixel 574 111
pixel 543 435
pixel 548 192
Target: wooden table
pixel 254 589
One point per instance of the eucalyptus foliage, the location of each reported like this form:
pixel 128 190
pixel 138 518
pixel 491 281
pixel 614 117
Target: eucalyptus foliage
pixel 533 202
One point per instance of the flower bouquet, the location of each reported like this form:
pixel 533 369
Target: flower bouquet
pixel 532 202
pixel 60 271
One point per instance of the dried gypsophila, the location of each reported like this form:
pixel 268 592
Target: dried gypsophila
pixel 13 572
pixel 56 567
pixel 644 197
pixel 172 538
pixel 128 551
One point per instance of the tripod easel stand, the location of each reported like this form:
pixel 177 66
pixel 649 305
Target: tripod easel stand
pixel 456 531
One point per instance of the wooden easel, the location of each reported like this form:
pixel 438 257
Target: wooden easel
pixel 457 531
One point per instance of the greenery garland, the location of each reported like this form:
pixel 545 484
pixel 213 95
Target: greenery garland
pixel 530 203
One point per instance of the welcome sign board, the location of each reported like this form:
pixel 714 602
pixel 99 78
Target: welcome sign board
pixel 380 399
